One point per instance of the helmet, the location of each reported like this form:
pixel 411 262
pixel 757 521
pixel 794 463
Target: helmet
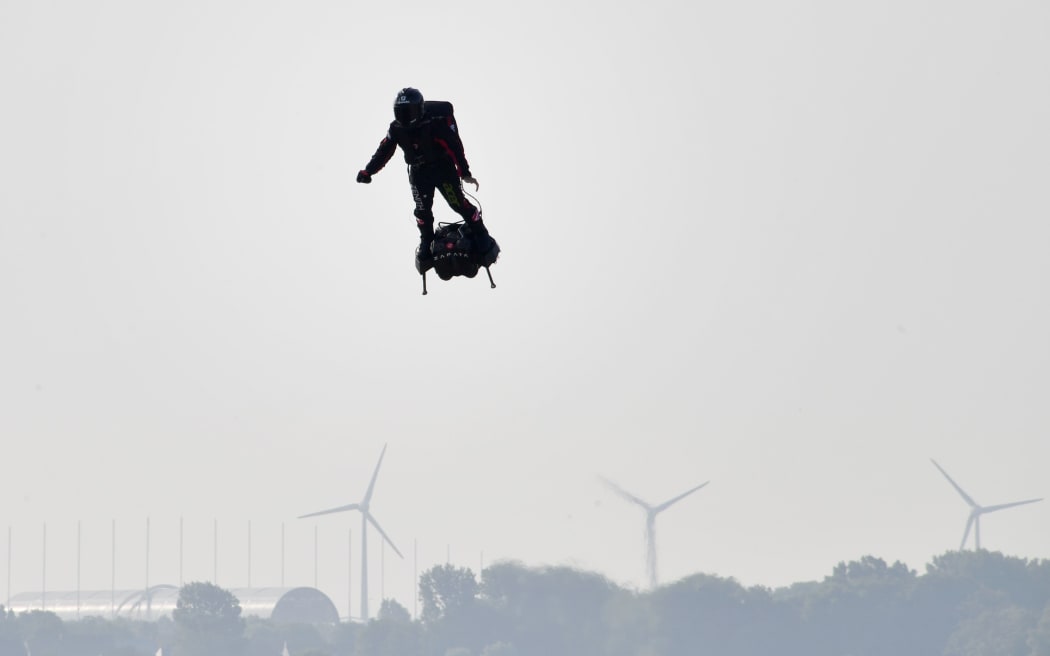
pixel 408 106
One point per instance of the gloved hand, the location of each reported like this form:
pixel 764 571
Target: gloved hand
pixel 470 180
pixel 363 177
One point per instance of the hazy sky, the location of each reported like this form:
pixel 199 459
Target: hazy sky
pixel 793 248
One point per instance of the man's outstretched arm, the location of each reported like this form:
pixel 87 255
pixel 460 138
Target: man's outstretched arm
pixel 386 150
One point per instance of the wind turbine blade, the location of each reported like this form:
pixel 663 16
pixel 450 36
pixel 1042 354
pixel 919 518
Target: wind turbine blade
pixel 663 506
pixel 1007 505
pixel 352 506
pixel 379 528
pixel 623 493
pixel 966 533
pixel 966 497
pixel 372 483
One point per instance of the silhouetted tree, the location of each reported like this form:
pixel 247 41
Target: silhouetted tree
pixel 303 638
pixel 343 638
pixel 42 631
pixel 863 608
pixel 91 636
pixel 1039 637
pixel 959 586
pixel 710 614
pixel 208 621
pixel 997 632
pixel 1026 582
pixel 452 615
pixel 630 624
pixel 966 604
pixel 499 649
pixel 10 634
pixel 446 590
pixel 555 610
pixel 391 610
pixel 392 633
pixel 262 637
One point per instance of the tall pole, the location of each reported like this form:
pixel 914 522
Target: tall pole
pixel 215 555
pixel 364 567
pixel 282 554
pixel 382 571
pixel 149 604
pixel 249 553
pixel 415 578
pixel 43 577
pixel 350 574
pixel 113 573
pixel 9 532
pixel 315 555
pixel 180 551
pixel 149 600
pixel 78 569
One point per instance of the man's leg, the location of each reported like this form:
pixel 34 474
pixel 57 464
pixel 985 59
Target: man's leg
pixel 452 191
pixel 423 195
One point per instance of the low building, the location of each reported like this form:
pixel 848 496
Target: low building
pixel 283 605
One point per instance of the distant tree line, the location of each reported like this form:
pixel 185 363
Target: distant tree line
pixel 967 603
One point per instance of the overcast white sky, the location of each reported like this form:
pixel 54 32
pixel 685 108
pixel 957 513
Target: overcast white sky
pixel 793 248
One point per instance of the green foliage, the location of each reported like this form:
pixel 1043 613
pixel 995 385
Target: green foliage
pixel 42 631
pixel 966 604
pixel 266 638
pixel 499 649
pixel 208 621
pixel 629 621
pixel 393 611
pixel 343 639
pixel 94 635
pixel 996 632
pixel 10 636
pixel 207 608
pixel 857 603
pixel 1039 638
pixel 547 611
pixel 714 611
pixel 871 570
pixel 263 637
pixel 446 590
pixel 392 633
pixel 303 638
pixel 1027 582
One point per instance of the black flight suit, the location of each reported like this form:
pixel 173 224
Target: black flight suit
pixel 434 154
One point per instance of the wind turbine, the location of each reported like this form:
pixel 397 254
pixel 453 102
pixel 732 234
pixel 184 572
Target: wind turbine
pixel 976 510
pixel 366 519
pixel 651 512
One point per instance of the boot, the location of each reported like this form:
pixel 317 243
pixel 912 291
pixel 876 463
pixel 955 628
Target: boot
pixel 482 239
pixel 426 240
pixel 423 252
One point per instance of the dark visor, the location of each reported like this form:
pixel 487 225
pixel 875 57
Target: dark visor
pixel 407 112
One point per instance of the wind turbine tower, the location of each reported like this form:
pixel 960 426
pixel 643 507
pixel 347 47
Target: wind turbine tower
pixel 651 512
pixel 976 510
pixel 366 519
